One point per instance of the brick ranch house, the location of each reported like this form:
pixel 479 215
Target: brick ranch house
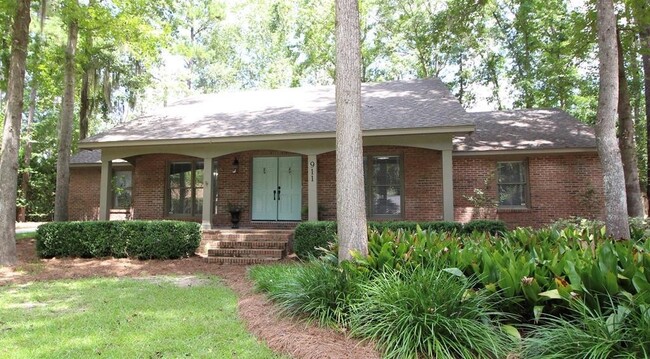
pixel 271 152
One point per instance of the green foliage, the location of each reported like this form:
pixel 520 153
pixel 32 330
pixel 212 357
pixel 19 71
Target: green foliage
pixel 319 290
pixel 309 236
pixel 485 226
pixel 617 329
pixel 411 226
pixel 125 318
pixel 139 239
pixel 534 271
pixel 427 312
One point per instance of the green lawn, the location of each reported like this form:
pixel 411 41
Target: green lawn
pixel 25 235
pixel 123 318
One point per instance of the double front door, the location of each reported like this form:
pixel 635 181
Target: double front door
pixel 277 188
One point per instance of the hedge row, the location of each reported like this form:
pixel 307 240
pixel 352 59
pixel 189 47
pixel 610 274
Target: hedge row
pixel 311 235
pixel 137 239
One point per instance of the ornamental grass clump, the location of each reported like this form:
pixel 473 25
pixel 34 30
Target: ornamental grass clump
pixel 427 312
pixel 319 291
pixel 619 329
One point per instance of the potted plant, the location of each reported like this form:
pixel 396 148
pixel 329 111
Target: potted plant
pixel 235 214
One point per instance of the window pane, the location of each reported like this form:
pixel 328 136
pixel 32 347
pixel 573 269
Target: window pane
pixel 198 175
pixel 122 189
pixel 511 172
pixel 122 179
pixel 180 201
pixel 180 175
pixel 198 202
pixel 386 200
pixel 385 170
pixel 123 199
pixel 512 195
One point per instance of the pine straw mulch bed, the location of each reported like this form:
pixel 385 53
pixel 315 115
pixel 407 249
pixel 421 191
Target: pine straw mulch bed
pixel 283 335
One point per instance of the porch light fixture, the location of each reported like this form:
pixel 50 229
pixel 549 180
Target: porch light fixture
pixel 235 165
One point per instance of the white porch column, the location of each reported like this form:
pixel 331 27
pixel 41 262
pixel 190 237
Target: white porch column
pixel 447 186
pixel 105 190
pixel 312 188
pixel 208 195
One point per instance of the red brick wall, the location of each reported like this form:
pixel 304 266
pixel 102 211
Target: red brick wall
pixel 422 171
pixel 83 202
pixel 558 185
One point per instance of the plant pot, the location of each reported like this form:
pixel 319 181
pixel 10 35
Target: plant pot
pixel 235 217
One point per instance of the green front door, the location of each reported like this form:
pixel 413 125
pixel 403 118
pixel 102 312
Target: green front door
pixel 277 188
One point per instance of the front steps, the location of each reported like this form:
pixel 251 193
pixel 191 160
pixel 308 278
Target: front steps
pixel 245 246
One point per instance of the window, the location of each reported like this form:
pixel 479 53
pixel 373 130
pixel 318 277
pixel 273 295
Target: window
pixel 383 177
pixel 122 189
pixel 512 183
pixel 185 188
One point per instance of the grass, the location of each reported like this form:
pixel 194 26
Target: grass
pixel 25 235
pixel 123 318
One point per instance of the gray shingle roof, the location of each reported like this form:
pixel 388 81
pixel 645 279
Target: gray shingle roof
pixel 526 130
pixel 409 104
pixel 91 157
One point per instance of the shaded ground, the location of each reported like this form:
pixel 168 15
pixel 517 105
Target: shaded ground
pixel 283 335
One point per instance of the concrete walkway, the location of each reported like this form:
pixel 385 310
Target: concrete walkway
pixel 25 227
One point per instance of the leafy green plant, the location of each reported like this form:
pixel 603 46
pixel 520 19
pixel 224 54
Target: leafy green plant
pixel 617 329
pixel 309 236
pixel 139 239
pixel 319 290
pixel 486 226
pixel 426 312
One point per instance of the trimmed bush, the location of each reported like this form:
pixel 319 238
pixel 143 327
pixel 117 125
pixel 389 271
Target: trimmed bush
pixel 485 226
pixel 410 226
pixel 311 235
pixel 139 239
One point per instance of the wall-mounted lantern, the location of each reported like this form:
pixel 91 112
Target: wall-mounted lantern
pixel 235 165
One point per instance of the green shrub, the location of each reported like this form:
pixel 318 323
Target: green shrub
pixel 271 277
pixel 139 239
pixel 311 235
pixel 319 290
pixel 617 329
pixel 410 226
pixel 428 313
pixel 485 226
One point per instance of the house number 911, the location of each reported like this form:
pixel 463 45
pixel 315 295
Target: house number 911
pixel 312 164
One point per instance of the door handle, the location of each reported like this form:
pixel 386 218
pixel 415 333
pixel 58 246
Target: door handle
pixel 274 195
pixel 279 193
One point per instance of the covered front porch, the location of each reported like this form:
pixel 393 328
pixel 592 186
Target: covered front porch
pixel 302 172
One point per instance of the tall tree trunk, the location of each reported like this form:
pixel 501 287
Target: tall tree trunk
pixel 627 141
pixel 65 128
pixel 645 58
pixel 11 134
pixel 27 154
pixel 608 151
pixel 84 106
pixel 350 196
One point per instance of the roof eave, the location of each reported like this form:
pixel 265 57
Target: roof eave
pixel 462 129
pixel 529 151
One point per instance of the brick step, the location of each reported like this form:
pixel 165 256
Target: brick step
pixel 254 236
pixel 249 253
pixel 240 260
pixel 249 244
